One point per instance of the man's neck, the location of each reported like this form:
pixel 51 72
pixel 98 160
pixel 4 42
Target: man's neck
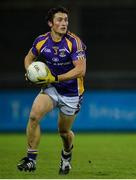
pixel 56 36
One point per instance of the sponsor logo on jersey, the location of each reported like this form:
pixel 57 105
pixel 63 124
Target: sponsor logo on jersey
pixel 45 49
pixel 61 63
pixel 55 59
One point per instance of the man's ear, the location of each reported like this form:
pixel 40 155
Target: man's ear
pixel 50 24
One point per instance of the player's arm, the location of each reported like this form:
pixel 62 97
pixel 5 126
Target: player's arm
pixel 29 58
pixel 78 70
pixel 79 62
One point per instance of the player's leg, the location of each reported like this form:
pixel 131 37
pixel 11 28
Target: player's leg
pixel 64 125
pixel 41 105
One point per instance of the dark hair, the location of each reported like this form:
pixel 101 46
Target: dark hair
pixel 53 11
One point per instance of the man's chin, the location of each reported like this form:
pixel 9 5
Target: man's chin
pixel 63 32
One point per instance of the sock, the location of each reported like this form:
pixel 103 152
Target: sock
pixel 32 154
pixel 68 152
pixel 66 155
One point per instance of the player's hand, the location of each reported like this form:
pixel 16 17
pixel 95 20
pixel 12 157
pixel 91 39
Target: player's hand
pixel 27 79
pixel 34 83
pixel 48 79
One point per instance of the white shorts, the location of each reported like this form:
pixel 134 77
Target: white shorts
pixel 67 105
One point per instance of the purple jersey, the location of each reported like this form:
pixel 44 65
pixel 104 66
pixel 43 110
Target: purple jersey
pixel 59 57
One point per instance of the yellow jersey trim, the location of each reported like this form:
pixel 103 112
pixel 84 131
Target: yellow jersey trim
pixel 80 86
pixel 69 43
pixel 40 44
pixel 78 41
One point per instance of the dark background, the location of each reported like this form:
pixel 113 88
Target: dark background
pixel 108 28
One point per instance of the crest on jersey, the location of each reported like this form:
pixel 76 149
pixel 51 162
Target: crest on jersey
pixel 62 54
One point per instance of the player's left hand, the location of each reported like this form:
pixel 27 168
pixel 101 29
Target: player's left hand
pixel 48 79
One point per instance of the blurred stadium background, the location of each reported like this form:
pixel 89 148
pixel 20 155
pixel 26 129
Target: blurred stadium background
pixel 108 29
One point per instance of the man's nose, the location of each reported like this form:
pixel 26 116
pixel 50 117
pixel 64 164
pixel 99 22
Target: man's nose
pixel 63 22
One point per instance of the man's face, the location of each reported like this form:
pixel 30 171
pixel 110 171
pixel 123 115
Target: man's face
pixel 60 23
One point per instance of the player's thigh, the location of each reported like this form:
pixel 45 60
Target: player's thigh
pixel 41 105
pixel 65 122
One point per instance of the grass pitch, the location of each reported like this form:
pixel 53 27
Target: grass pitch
pixel 95 156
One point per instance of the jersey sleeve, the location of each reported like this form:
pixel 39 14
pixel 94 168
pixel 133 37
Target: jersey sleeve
pixel 38 43
pixel 34 47
pixel 78 50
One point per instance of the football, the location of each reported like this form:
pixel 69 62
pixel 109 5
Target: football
pixel 35 70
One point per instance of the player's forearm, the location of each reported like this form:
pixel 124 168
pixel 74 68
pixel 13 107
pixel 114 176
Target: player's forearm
pixel 28 59
pixel 72 74
pixel 27 62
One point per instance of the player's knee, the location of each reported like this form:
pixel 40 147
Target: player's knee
pixel 33 119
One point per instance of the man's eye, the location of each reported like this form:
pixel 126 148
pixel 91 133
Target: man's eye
pixel 59 19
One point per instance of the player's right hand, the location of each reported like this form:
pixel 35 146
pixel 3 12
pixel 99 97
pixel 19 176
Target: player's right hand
pixel 34 83
pixel 27 79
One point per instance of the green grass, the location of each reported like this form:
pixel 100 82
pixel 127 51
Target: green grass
pixel 95 156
